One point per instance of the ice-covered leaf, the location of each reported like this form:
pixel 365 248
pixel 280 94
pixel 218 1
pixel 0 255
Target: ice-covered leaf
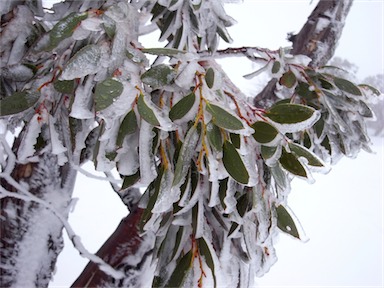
pixel 152 193
pixel 158 76
pixel 235 139
pixel 347 86
pixel 372 89
pixel 130 180
pixel 285 222
pixel 85 62
pixel 264 132
pixel 18 102
pixel 185 155
pixel 288 79
pixel 290 162
pixel 300 151
pixel 279 176
pixel 206 253
pixel 146 112
pixel 181 271
pixel 304 91
pixel 210 77
pixel 128 126
pixel 233 163
pixel 106 93
pixel 268 152
pixel 276 67
pixel 65 27
pixel 214 137
pixel 162 51
pixel 64 86
pixel 223 118
pixel 290 113
pixel 181 108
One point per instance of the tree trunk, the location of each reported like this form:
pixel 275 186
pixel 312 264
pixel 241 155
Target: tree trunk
pixel 318 45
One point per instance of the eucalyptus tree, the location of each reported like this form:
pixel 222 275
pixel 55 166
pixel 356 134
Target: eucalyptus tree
pixel 204 170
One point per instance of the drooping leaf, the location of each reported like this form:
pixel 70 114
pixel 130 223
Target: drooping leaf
pixel 185 155
pixel 181 108
pixel 267 152
pixel 290 113
pixel 347 86
pixel 285 222
pixel 214 137
pixel 130 180
pixel 279 176
pixel 233 163
pixel 373 89
pixel 146 112
pixel 300 151
pixel 276 67
pixel 290 163
pixel 18 102
pixel 128 126
pixel 106 92
pixel 224 119
pixel 264 132
pixel 179 234
pixel 85 62
pixel 181 271
pixel 210 77
pixel 206 253
pixel 303 90
pixel 158 76
pixel 223 186
pixel 65 27
pixel 235 139
pixel 288 79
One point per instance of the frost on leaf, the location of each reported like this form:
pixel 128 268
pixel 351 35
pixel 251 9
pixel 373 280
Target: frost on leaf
pixel 106 93
pixel 18 102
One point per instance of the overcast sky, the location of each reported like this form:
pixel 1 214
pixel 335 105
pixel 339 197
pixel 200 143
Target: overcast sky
pixel 342 213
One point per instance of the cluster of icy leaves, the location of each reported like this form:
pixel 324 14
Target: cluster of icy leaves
pixel 217 170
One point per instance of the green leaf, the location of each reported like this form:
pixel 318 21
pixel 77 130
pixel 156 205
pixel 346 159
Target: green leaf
pixel 373 89
pixel 65 27
pixel 215 138
pixel 109 26
pixel 285 222
pixel 233 163
pixel 300 151
pixel 223 186
pixel 224 119
pixel 181 271
pixel 267 152
pixel 290 113
pixel 303 90
pixel 204 251
pixel 64 86
pixel 181 108
pixel 185 155
pixel 106 93
pixel 146 112
pixel 210 77
pixel 85 62
pixel 179 235
pixel 158 76
pixel 162 51
pixel 235 139
pixel 264 132
pixel 279 176
pixel 288 79
pixel 290 163
pixel 130 180
pixel 18 102
pixel 276 67
pixel 347 86
pixel 128 126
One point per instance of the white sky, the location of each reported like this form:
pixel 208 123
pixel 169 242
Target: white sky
pixel 342 213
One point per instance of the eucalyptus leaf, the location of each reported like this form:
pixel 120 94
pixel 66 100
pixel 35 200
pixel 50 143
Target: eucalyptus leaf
pixel 206 253
pixel 268 152
pixel 276 67
pixel 347 86
pixel 223 118
pixel 181 108
pixel 288 79
pixel 18 102
pixel 146 112
pixel 158 76
pixel 290 162
pixel 264 132
pixel 210 77
pixel 181 271
pixel 162 51
pixel 214 137
pixel 285 222
pixel 290 113
pixel 372 89
pixel 65 27
pixel 64 86
pixel 300 151
pixel 128 126
pixel 233 163
pixel 106 92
